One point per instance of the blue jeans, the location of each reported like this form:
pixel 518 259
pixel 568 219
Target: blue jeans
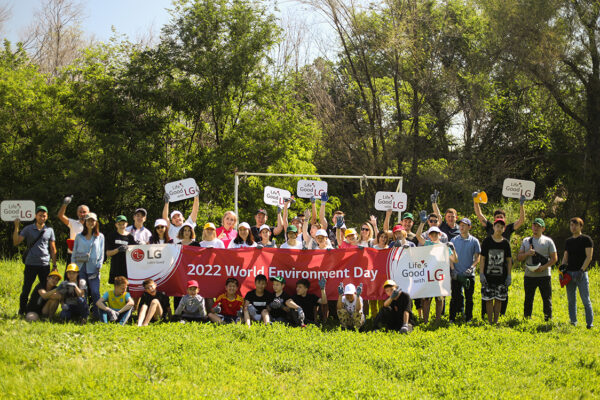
pixel 583 284
pixel 71 312
pixel 123 317
pixel 93 288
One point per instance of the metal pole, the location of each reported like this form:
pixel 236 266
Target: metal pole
pixel 235 191
pixel 399 190
pixel 320 176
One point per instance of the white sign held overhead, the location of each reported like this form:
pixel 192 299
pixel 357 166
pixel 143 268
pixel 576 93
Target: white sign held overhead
pixel 181 190
pixel 274 196
pixel 394 201
pixel 17 209
pixel 307 189
pixel 514 188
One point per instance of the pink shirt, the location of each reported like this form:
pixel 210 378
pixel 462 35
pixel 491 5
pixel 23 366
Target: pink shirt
pixel 229 235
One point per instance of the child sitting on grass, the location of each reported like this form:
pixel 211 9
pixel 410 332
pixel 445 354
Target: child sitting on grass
pixel 74 305
pixel 350 306
pixel 228 306
pixel 308 302
pixel 282 308
pixel 153 306
pixel 116 305
pixel 191 307
pixel 256 302
pixel 45 298
pixel 396 312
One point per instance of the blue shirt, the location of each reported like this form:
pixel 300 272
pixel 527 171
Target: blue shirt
pixel 39 253
pixel 82 246
pixel 465 250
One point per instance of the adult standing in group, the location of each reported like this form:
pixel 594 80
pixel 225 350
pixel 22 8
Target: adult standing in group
pixel 41 248
pixel 468 251
pixel 433 220
pixel 261 221
pixel 176 218
pixel 75 225
pixel 140 233
pixel 448 225
pixel 579 250
pixel 116 248
pixel 539 253
pixel 226 232
pixel 88 254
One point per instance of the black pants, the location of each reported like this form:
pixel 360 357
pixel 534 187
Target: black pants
pixel 388 318
pixel 459 303
pixel 29 274
pixel 531 284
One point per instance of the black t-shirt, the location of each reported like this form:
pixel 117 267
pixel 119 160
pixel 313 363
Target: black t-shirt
pixel 256 233
pixel 162 299
pixel 280 312
pixel 118 264
pixel 451 232
pixel 259 302
pixel 411 237
pixel 496 260
pixel 508 231
pixel 36 302
pixel 308 304
pixel 575 248
pixel 402 303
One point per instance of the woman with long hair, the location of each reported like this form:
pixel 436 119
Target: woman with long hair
pixel 226 232
pixel 160 234
pixel 244 237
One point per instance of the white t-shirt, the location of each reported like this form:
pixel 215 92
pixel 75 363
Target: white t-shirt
pixel 233 245
pixel 287 246
pixel 75 228
pixel 350 307
pixel 368 243
pixel 544 246
pixel 174 230
pixel 215 243
pixel 142 236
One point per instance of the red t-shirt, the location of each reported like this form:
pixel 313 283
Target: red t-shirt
pixel 346 245
pixel 229 307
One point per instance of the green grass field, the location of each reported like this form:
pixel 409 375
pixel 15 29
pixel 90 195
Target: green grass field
pixel 517 359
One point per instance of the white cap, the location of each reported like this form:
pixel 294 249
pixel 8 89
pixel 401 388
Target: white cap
pixel 265 226
pixel 244 225
pixel 160 222
pixel 91 216
pixel 175 213
pixel 434 229
pixel 350 289
pixel 321 232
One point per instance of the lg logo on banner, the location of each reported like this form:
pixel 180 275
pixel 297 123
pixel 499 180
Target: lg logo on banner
pixel 138 255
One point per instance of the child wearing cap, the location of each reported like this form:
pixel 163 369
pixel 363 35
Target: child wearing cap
pixel 153 306
pixel 45 298
pixel 282 308
pixel 186 236
pixel 350 306
pixel 400 236
pixel 228 306
pixel 244 237
pixel 116 248
pixel 116 305
pixel 209 237
pixel 177 218
pixel 191 307
pixel 292 243
pixel 495 271
pixel 74 306
pixel 308 302
pixel 350 239
pixel 256 302
pixel 396 312
pixel 160 234
pixel 265 237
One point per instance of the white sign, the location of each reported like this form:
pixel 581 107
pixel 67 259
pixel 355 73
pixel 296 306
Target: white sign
pixel 21 209
pixel 421 271
pixel 394 201
pixel 307 189
pixel 515 188
pixel 181 190
pixel 156 261
pixel 274 196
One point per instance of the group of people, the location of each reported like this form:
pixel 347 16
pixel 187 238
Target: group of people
pixel 491 260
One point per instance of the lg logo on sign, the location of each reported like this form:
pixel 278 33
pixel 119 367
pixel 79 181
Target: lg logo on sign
pixel 138 255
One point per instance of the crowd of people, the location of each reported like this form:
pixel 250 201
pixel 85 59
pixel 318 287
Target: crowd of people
pixel 491 260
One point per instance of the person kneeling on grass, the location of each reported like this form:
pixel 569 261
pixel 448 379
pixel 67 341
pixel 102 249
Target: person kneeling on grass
pixel 191 307
pixel 45 298
pixel 153 306
pixel 309 302
pixel 228 306
pixel 74 305
pixel 282 308
pixel 350 306
pixel 256 302
pixel 116 305
pixel 396 312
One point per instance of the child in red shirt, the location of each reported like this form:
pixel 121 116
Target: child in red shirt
pixel 228 306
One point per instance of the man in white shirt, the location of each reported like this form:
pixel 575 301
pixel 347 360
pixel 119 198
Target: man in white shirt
pixel 75 225
pixel 140 233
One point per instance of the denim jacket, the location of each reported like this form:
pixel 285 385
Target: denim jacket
pixel 82 247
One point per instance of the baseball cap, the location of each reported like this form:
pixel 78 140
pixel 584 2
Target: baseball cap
pixel 389 282
pixel 434 229
pixel 192 283
pixel 244 225
pixel 55 273
pixel 465 221
pixel 120 218
pixel 209 225
pixel 408 215
pixel 174 213
pixel 350 231
pixel 265 226
pixel 41 208
pixel 500 220
pixel 261 211
pixel 321 232
pixel 398 228
pixel 350 289
pixel 279 279
pixel 91 216
pixel 539 222
pixel 292 228
pixel 140 210
pixel 160 222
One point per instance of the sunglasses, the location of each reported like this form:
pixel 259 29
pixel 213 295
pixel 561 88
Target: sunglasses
pixel 433 221
pixel 161 227
pixel 364 229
